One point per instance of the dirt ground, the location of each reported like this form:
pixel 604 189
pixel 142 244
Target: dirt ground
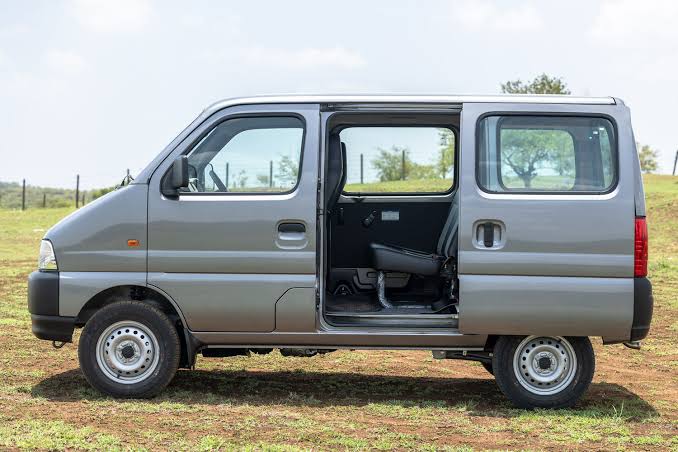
pixel 342 400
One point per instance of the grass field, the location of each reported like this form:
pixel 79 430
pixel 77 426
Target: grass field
pixel 345 400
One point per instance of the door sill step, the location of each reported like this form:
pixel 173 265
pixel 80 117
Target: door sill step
pixel 392 320
pixel 393 315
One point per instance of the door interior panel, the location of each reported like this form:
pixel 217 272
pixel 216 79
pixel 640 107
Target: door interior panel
pixel 354 225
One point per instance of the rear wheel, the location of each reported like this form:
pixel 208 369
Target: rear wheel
pixel 129 349
pixel 543 371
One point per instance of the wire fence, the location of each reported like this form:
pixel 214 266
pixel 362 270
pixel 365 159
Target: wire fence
pixel 24 196
pixel 360 170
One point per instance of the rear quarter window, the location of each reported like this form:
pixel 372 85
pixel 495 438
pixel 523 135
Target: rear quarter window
pixel 547 154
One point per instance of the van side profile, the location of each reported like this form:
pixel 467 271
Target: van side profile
pixel 506 230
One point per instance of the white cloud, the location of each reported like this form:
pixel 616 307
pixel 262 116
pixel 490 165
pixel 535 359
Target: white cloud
pixel 632 23
pixel 337 57
pixel 111 15
pixel 305 58
pixel 14 29
pixel 486 16
pixel 65 61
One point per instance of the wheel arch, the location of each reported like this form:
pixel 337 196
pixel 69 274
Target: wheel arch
pixel 147 294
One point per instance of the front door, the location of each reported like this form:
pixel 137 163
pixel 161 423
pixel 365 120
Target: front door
pixel 244 231
pixel 547 220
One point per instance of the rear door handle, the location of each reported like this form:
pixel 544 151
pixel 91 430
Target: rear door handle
pixel 489 234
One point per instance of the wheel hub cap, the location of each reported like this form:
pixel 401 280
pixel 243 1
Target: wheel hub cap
pixel 544 365
pixel 127 352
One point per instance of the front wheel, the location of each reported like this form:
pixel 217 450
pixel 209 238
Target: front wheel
pixel 129 349
pixel 543 371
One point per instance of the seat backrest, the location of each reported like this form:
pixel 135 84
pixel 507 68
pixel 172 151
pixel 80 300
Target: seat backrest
pixel 335 178
pixel 447 243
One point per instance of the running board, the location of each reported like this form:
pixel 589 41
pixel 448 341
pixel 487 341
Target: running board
pixel 393 316
pixel 393 320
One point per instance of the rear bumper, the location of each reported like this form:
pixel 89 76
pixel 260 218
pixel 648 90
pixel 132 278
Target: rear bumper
pixel 643 302
pixel 43 304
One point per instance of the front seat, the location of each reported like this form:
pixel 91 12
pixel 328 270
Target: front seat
pixel 335 178
pixel 398 259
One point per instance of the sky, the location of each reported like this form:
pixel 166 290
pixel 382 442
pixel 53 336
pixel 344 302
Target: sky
pixel 96 87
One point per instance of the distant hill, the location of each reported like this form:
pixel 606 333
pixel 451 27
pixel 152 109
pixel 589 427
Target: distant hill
pixel 10 196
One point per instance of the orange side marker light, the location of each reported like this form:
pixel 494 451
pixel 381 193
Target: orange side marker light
pixel 132 242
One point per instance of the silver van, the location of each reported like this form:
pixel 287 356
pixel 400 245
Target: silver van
pixel 500 229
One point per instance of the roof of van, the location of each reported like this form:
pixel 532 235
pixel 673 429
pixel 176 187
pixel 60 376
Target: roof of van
pixel 410 99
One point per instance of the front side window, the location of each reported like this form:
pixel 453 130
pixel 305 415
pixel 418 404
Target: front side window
pixel 247 155
pixel 408 159
pixel 546 154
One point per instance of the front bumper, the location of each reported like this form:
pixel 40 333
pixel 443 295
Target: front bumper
pixel 643 302
pixel 43 304
pixel 53 327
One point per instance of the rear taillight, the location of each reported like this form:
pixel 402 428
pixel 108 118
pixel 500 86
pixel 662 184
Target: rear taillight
pixel 640 249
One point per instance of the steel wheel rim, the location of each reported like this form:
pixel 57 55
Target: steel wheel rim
pixel 544 365
pixel 127 352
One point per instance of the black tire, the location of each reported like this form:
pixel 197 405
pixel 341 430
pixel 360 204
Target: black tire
pixel 488 367
pixel 509 383
pixel 166 341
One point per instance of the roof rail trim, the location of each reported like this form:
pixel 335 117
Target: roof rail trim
pixel 408 99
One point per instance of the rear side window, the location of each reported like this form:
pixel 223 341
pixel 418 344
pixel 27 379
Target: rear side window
pixel 393 160
pixel 247 155
pixel 546 154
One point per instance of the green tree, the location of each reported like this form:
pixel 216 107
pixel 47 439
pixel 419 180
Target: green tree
pixel 445 163
pixel 389 163
pixel 421 171
pixel 525 151
pixel 98 193
pixel 240 179
pixel 391 166
pixel 288 170
pixel 648 158
pixel 542 84
pixel 263 180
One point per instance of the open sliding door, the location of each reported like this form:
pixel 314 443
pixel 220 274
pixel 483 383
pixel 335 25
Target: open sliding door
pixel 547 220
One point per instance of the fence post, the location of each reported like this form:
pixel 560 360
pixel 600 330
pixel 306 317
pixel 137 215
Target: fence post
pixel 44 200
pixel 226 176
pixel 361 168
pixel 77 191
pixel 270 174
pixel 675 160
pixel 23 195
pixel 83 198
pixel 402 167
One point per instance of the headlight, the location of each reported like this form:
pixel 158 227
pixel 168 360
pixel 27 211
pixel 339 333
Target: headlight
pixel 47 260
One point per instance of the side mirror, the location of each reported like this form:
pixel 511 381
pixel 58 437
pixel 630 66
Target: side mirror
pixel 178 177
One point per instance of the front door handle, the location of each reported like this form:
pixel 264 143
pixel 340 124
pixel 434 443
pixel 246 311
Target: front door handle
pixel 291 235
pixel 298 228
